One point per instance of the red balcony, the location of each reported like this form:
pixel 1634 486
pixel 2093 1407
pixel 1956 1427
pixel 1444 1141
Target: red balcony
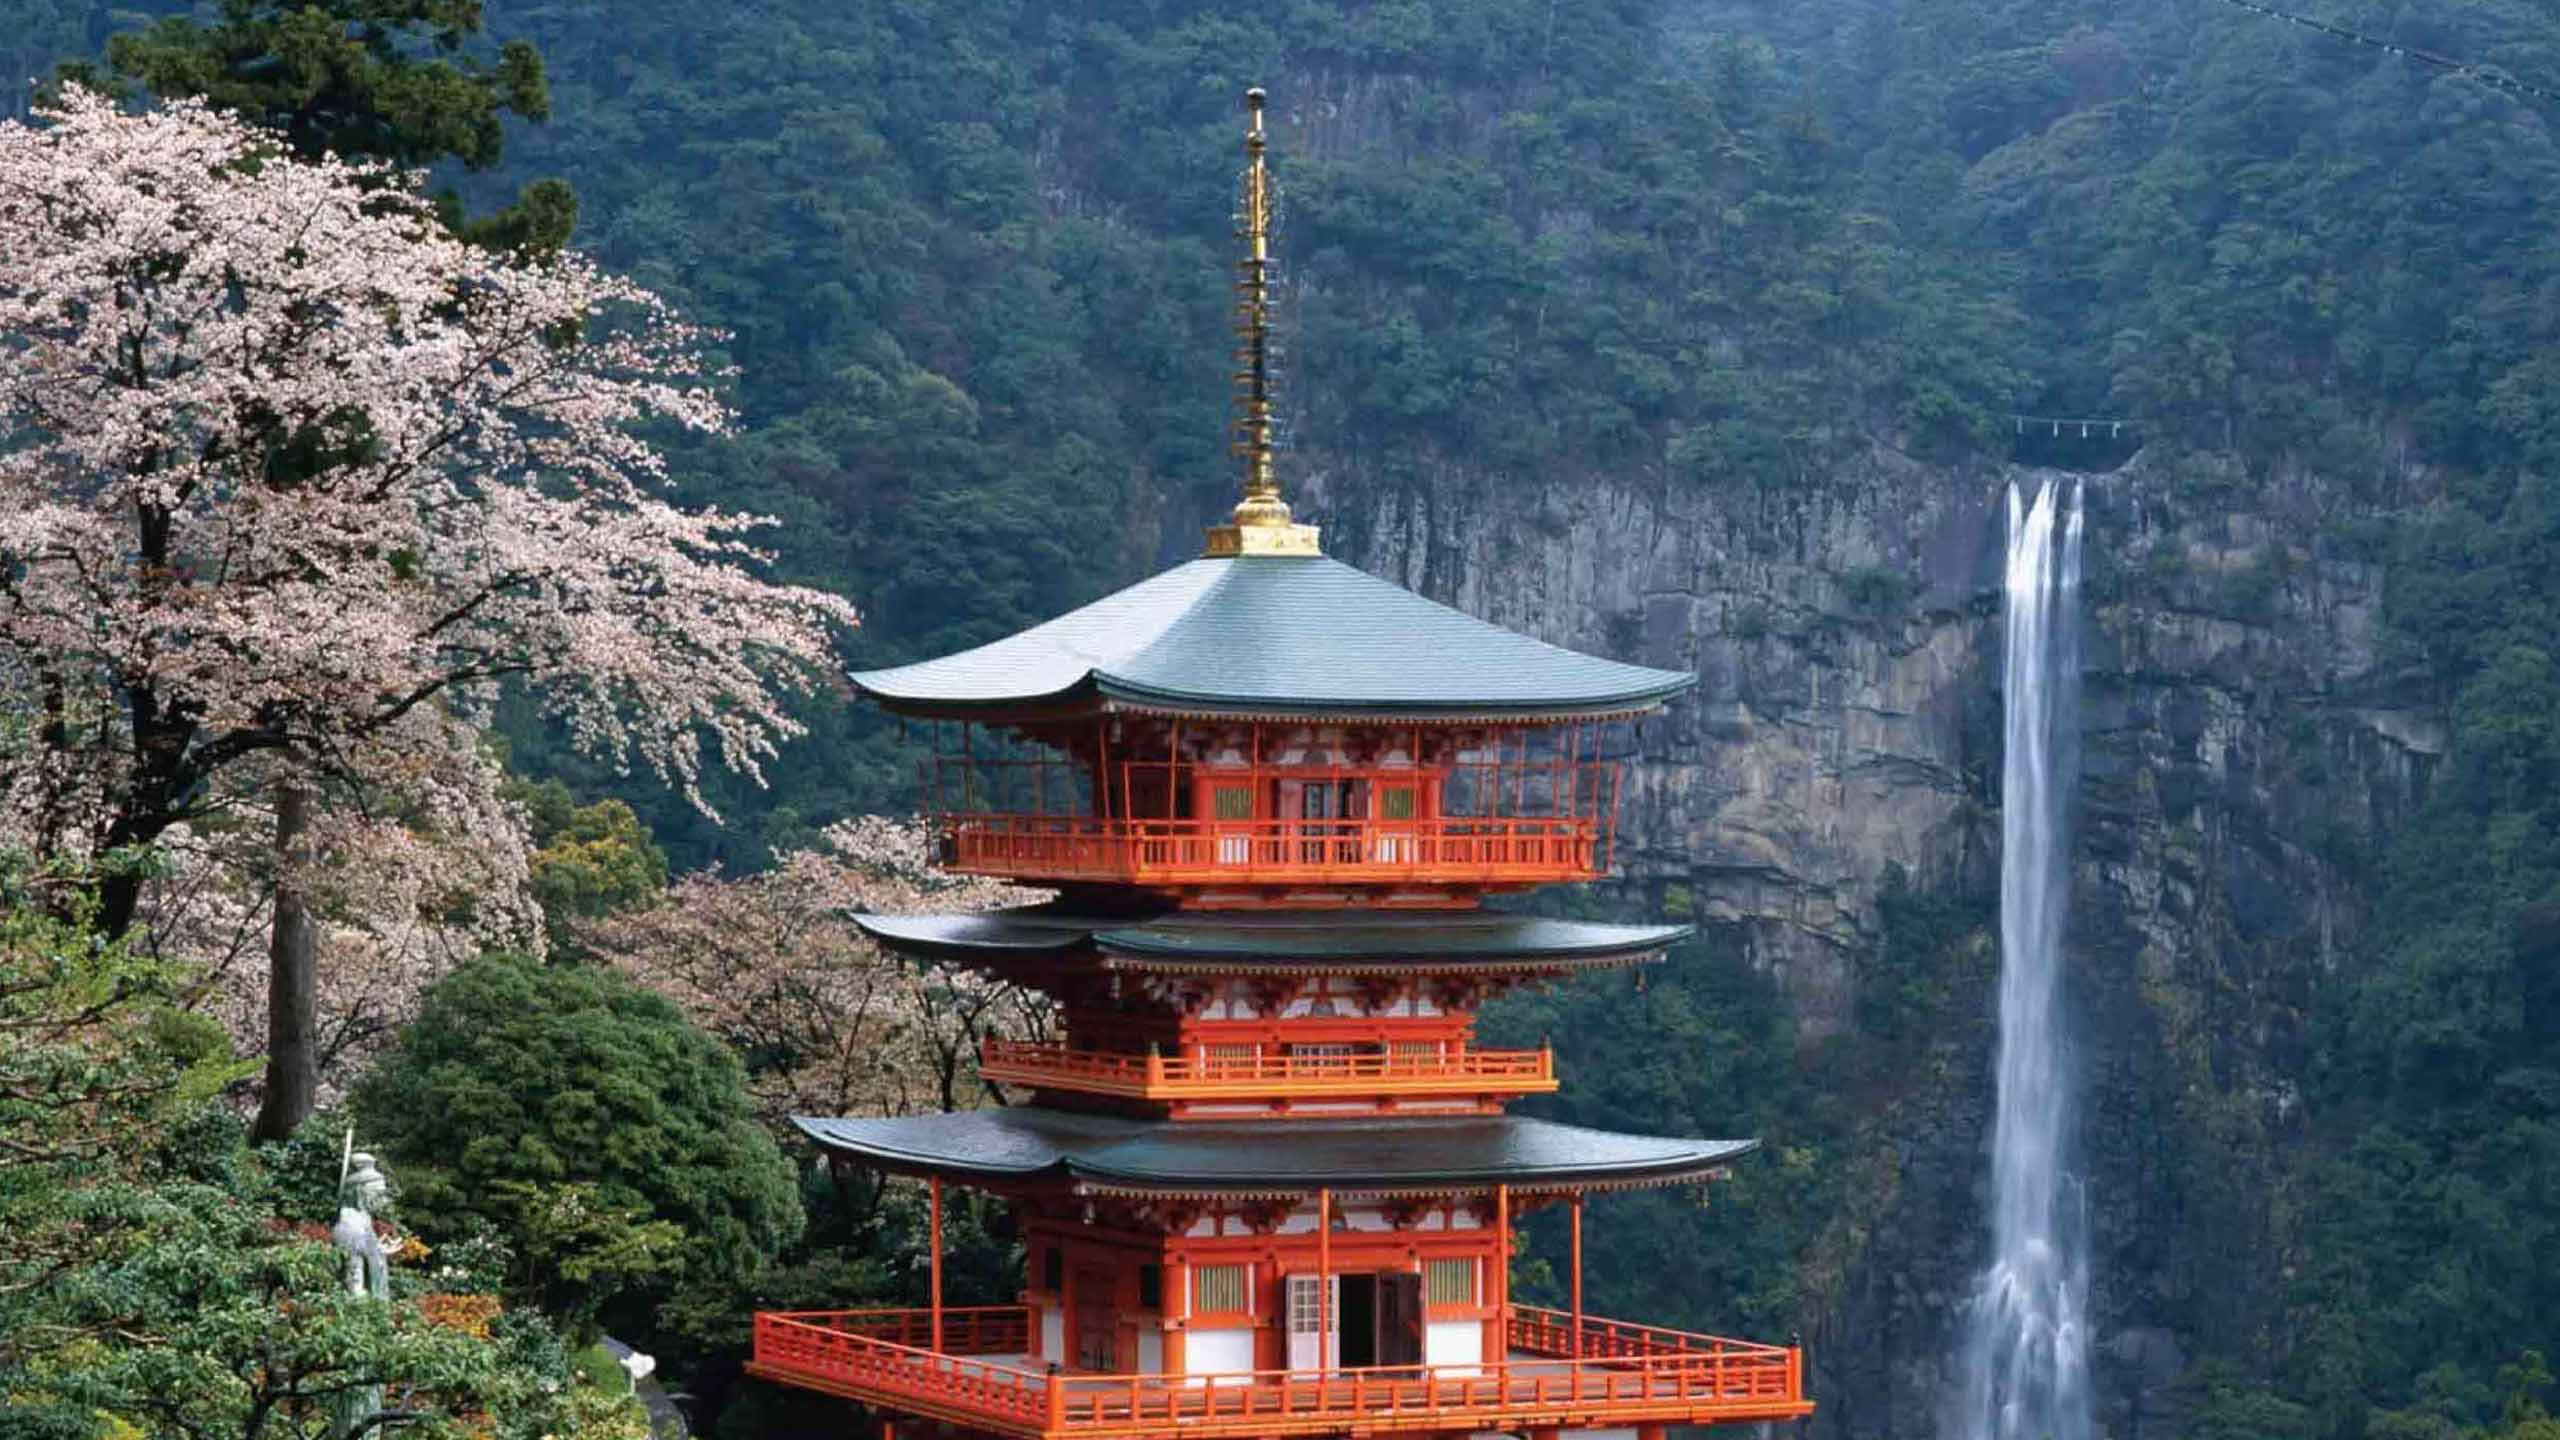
pixel 1185 1077
pixel 1500 852
pixel 1603 1373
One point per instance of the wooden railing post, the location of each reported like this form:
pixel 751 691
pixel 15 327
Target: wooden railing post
pixel 1057 1401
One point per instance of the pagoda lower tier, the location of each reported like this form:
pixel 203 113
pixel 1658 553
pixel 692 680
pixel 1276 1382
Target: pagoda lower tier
pixel 1266 1186
pixel 1273 1278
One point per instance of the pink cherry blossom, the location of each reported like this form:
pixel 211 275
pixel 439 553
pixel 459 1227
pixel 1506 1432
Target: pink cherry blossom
pixel 284 467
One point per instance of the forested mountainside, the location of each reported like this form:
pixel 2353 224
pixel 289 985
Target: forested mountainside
pixel 1696 332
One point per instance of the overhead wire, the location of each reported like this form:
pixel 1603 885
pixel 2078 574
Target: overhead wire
pixel 2494 79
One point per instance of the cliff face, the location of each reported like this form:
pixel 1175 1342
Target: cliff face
pixel 2243 749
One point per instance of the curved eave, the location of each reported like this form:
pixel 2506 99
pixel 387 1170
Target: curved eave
pixel 989 936
pixel 1532 968
pixel 1164 951
pixel 1424 945
pixel 1387 710
pixel 1276 637
pixel 1418 945
pixel 1102 694
pixel 1071 702
pixel 1027 1145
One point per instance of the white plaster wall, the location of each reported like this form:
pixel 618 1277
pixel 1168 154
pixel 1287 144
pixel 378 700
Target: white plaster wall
pixel 1218 1352
pixel 1053 1333
pixel 1457 1344
pixel 1150 1350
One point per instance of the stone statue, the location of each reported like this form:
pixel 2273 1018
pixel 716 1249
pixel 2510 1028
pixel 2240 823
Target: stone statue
pixel 360 1194
pixel 362 1191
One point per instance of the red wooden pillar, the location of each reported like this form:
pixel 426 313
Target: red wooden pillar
pixel 1502 1261
pixel 1324 1279
pixel 1577 1275
pixel 935 1190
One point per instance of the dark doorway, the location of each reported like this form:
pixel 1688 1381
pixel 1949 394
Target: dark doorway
pixel 1359 1321
pixel 1399 1319
pixel 1096 1338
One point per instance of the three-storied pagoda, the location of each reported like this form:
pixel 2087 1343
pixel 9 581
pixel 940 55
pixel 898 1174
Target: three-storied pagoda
pixel 1266 1183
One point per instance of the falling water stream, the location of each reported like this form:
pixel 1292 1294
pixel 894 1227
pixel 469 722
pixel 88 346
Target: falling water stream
pixel 2025 1371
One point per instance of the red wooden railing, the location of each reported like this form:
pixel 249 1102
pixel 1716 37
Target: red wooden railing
pixel 1626 1374
pixel 1232 851
pixel 1177 1077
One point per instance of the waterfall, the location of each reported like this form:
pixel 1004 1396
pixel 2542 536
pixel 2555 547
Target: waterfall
pixel 2025 1370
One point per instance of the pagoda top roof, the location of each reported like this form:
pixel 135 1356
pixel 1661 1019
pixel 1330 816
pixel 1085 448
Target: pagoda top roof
pixel 1029 1144
pixel 1333 941
pixel 1273 636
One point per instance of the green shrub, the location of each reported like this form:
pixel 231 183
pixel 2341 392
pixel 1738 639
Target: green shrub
pixel 585 1122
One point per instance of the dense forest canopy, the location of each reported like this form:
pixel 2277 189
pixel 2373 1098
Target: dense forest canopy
pixel 967 255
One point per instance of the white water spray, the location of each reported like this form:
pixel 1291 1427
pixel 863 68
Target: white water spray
pixel 2026 1347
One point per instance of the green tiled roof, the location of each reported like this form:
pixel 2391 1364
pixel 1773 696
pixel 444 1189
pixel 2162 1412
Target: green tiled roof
pixel 1027 1143
pixel 1367 940
pixel 1274 635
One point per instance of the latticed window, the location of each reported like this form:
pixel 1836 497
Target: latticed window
pixel 1449 1282
pixel 1232 802
pixel 1218 1289
pixel 1396 803
pixel 1306 1306
pixel 1322 1057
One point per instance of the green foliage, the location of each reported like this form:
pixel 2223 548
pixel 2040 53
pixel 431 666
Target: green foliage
pixel 588 1125
pixel 187 1313
pixel 969 256
pixel 1908 983
pixel 396 80
pixel 597 1366
pixel 150 1285
pixel 93 1043
pixel 1717 1059
pixel 2424 1198
pixel 589 860
pixel 574 1250
pixel 971 260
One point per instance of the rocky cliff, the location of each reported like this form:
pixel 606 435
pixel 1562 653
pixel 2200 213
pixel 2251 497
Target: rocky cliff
pixel 2244 744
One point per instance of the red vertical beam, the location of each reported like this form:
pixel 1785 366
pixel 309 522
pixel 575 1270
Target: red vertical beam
pixel 935 1189
pixel 1102 767
pixel 1519 780
pixel 1502 1261
pixel 1128 763
pixel 1569 801
pixel 1324 1278
pixel 1609 853
pixel 1577 1274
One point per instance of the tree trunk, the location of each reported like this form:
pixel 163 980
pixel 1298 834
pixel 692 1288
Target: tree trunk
pixel 293 1057
pixel 119 901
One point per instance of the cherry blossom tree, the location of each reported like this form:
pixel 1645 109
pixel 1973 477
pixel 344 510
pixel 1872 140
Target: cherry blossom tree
pixel 831 1024
pixel 291 480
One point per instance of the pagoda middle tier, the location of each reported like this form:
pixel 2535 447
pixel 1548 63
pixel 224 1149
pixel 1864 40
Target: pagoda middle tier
pixel 1269 1015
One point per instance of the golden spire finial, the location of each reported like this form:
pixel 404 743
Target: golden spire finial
pixel 1261 524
